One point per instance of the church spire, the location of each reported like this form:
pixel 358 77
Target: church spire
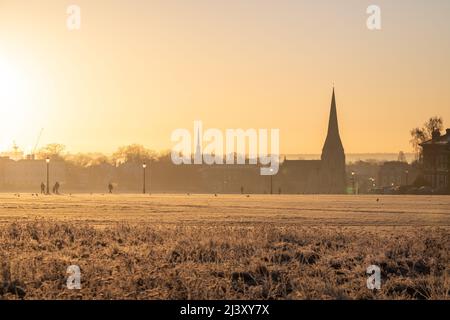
pixel 333 127
pixel 333 141
pixel 198 138
pixel 333 156
pixel 198 149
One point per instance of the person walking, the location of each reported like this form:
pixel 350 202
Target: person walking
pixel 56 188
pixel 110 187
pixel 42 188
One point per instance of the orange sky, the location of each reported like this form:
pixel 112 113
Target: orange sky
pixel 137 70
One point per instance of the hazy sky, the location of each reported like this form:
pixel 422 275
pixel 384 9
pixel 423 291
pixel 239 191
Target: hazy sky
pixel 137 70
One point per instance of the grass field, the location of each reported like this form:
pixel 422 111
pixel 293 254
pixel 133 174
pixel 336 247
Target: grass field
pixel 224 247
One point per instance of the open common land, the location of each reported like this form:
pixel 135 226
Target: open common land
pixel 224 247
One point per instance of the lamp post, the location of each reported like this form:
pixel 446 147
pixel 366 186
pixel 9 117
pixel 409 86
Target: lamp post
pixel 353 182
pixel 144 166
pixel 47 161
pixel 150 176
pixel 372 185
pixel 271 181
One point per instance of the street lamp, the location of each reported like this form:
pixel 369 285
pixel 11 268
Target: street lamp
pixel 144 166
pixel 48 175
pixel 271 181
pixel 353 182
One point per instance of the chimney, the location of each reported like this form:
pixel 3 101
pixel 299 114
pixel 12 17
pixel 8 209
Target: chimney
pixel 436 134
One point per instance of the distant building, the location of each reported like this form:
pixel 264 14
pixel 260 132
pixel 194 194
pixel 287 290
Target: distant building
pixel 436 161
pixel 326 175
pixel 14 154
pixel 363 175
pixel 396 174
pixel 300 176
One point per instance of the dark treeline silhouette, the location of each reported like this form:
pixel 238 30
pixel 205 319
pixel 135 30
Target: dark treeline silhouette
pixel 122 172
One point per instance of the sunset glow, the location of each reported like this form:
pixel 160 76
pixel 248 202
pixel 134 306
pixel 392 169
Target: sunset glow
pixel 144 70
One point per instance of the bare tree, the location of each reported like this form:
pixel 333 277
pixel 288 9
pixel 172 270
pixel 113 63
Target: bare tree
pixel 53 151
pixel 133 153
pixel 434 124
pixel 420 135
pixel 87 159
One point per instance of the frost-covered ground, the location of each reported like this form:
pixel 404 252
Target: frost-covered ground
pixel 320 210
pixel 225 246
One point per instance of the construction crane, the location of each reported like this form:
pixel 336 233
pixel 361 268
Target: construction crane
pixel 37 143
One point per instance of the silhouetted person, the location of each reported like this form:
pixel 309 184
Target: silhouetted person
pixel 242 189
pixel 110 188
pixel 42 188
pixel 56 188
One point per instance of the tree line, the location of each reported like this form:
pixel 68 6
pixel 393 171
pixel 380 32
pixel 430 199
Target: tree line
pixel 125 154
pixel 137 153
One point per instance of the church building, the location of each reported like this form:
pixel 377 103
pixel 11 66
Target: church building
pixel 327 175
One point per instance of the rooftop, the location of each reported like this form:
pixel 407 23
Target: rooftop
pixel 439 139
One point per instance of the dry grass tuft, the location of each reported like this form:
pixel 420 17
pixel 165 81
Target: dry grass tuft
pixel 168 261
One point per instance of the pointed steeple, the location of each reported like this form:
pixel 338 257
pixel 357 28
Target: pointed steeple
pixel 333 156
pixel 333 141
pixel 333 127
pixel 198 149
pixel 198 138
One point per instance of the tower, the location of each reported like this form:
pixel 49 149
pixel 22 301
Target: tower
pixel 198 157
pixel 333 156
